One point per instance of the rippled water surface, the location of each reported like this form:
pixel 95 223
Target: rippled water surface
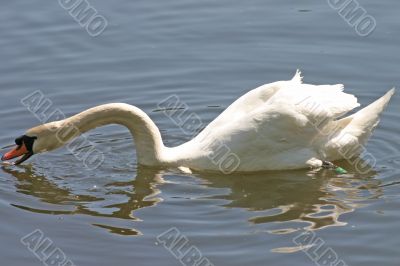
pixel 209 53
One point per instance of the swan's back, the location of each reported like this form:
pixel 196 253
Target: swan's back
pixel 313 101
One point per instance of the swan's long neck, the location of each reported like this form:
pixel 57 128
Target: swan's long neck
pixel 149 145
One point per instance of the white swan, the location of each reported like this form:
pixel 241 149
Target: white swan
pixel 278 126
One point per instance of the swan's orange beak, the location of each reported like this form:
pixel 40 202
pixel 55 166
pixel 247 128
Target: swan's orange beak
pixel 24 148
pixel 16 152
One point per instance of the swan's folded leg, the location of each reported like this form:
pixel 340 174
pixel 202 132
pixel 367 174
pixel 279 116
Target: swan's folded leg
pixel 328 165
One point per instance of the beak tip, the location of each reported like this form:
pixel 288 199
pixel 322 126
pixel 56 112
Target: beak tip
pixel 4 157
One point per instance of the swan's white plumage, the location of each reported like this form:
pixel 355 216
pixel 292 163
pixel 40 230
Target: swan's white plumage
pixel 281 125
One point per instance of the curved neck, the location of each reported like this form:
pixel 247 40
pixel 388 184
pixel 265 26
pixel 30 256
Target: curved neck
pixel 149 145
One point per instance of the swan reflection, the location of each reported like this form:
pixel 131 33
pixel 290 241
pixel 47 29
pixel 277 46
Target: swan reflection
pixel 127 197
pixel 318 199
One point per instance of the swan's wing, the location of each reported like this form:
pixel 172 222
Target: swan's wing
pixel 319 103
pixel 284 124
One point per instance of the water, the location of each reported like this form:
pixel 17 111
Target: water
pixel 209 53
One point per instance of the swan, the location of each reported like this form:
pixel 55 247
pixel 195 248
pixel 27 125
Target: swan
pixel 278 126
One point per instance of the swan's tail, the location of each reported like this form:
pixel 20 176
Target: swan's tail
pixel 364 121
pixel 357 128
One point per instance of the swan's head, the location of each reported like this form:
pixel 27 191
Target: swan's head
pixel 36 140
pixel 24 149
